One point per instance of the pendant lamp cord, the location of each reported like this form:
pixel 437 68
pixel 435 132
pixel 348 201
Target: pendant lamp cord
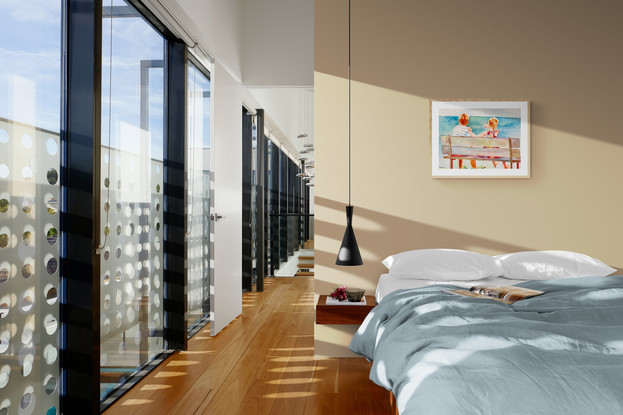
pixel 349 103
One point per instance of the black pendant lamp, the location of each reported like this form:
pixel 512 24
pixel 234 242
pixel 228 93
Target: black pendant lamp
pixel 349 250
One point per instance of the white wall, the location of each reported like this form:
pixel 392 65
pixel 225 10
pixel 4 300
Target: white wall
pixel 278 43
pixel 262 43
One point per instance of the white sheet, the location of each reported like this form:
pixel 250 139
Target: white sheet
pixel 388 283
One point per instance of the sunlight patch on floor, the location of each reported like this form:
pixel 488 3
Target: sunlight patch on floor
pixel 182 363
pixel 292 381
pixel 170 374
pixel 153 387
pixel 136 402
pixel 289 395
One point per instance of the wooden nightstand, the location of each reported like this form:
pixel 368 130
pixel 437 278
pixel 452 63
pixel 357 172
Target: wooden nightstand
pixel 343 314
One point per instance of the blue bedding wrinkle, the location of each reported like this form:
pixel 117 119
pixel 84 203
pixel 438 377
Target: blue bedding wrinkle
pixel 557 353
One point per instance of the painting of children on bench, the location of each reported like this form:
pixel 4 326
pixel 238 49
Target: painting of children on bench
pixel 480 136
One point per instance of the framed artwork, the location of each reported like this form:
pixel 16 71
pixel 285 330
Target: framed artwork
pixel 487 139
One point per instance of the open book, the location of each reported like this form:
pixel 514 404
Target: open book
pixel 505 293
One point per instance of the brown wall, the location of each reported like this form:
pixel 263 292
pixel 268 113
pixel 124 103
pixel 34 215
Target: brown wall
pixel 563 56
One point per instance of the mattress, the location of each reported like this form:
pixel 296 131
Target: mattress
pixel 389 283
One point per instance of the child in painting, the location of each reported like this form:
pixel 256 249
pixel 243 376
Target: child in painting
pixel 462 130
pixel 491 130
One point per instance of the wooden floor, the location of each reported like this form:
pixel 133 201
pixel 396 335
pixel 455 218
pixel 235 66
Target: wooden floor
pixel 262 363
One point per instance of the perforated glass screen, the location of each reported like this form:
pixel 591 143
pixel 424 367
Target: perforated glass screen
pixel 30 52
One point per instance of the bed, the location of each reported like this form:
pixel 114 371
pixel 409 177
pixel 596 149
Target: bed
pixel 557 353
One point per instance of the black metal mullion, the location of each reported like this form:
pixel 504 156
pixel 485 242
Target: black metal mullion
pixel 175 328
pixel 283 207
pixel 274 208
pixel 80 129
pixel 260 256
pixel 247 188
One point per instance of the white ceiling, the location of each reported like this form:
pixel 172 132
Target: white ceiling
pixel 268 46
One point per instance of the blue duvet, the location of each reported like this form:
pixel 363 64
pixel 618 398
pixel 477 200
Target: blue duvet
pixel 444 354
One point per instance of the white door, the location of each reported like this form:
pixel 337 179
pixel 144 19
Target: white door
pixel 226 284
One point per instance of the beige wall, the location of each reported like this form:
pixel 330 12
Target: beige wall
pixel 563 56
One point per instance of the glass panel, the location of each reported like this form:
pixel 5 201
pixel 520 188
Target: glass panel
pixel 30 86
pixel 198 260
pixel 131 193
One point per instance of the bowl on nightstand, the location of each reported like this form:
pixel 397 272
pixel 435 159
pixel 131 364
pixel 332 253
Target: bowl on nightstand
pixel 354 294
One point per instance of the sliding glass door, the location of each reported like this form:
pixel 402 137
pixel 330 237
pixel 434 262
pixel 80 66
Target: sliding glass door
pixel 131 227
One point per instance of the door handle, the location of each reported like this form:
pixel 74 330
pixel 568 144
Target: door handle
pixel 214 217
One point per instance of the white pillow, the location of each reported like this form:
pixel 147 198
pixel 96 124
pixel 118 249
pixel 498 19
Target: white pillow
pixel 442 264
pixel 543 265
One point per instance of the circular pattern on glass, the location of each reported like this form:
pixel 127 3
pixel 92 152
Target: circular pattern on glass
pixel 52 266
pixel 51 296
pixel 4 380
pixel 50 385
pixel 27 205
pixel 51 411
pixel 106 279
pixel 118 252
pixel 118 229
pixel 4 136
pixel 4 309
pixel 4 240
pixel 52 176
pixel 4 344
pixel 4 171
pixel 157 224
pixel 4 275
pixel 52 236
pixel 27 365
pixel 107 254
pixel 106 231
pixel 27 141
pixel 106 207
pixel 131 315
pixel 28 238
pixel 50 324
pixel 26 400
pixel 26 304
pixel 27 270
pixel 50 354
pixel 52 146
pixel 106 182
pixel 27 336
pixel 52 205
pixel 27 173
pixel 4 205
pixel 157 188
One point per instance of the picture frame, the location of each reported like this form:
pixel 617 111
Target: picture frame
pixel 480 139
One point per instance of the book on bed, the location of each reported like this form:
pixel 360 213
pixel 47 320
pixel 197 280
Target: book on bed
pixel 505 293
